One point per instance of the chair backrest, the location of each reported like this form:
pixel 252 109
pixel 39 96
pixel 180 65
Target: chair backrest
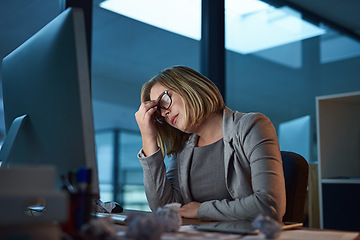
pixel 296 171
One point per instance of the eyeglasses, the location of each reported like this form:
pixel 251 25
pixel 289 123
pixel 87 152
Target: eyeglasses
pixel 164 103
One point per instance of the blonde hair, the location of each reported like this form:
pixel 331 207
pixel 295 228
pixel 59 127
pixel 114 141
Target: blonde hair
pixel 200 96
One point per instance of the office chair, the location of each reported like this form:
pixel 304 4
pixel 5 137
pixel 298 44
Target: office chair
pixel 296 171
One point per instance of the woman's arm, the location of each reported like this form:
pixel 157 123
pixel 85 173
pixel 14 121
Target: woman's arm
pixel 161 186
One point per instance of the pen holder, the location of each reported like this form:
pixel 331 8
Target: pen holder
pixel 79 212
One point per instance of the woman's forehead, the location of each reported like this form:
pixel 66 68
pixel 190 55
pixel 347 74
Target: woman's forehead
pixel 156 91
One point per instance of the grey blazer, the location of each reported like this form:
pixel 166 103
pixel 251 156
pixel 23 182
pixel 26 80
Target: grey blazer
pixel 253 172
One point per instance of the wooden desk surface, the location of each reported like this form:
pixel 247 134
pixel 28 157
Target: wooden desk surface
pixel 192 221
pixel 186 232
pixel 185 221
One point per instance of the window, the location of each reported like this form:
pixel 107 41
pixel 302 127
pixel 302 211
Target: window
pixel 117 149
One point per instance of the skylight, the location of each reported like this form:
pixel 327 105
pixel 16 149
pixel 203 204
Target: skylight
pixel 179 16
pixel 250 25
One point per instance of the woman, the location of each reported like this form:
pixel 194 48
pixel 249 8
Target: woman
pixel 224 165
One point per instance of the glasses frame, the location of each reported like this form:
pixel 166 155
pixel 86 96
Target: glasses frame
pixel 159 107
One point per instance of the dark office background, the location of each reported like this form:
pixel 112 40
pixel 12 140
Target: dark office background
pixel 281 82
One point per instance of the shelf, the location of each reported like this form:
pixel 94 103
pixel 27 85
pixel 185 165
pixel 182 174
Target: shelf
pixel 341 180
pixel 338 135
pixel 338 126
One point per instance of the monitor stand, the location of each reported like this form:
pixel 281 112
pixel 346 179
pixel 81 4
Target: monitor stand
pixel 10 139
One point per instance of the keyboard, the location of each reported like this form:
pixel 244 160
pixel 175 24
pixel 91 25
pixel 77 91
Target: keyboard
pixel 116 217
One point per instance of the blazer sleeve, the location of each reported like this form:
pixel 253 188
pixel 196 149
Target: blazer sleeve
pixel 161 185
pixel 256 175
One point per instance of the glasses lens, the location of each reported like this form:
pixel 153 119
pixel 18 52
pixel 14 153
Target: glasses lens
pixel 165 101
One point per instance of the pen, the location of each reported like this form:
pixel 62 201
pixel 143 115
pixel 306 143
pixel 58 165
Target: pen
pixel 82 179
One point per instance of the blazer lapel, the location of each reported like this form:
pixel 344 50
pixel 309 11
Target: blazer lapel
pixel 184 168
pixel 229 151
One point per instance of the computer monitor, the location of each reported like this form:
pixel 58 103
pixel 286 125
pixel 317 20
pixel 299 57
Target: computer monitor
pixel 47 79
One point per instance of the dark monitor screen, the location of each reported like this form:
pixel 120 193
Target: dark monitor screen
pixel 47 78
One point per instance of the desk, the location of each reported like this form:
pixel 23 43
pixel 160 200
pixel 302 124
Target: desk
pixel 191 221
pixel 186 231
pixel 44 231
pixel 308 234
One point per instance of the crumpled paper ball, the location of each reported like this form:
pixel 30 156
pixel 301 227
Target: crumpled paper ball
pixel 170 217
pixel 99 228
pixel 142 226
pixel 146 226
pixel 268 226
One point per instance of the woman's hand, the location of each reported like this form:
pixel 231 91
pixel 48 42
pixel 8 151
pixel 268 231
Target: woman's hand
pixel 190 210
pixel 145 120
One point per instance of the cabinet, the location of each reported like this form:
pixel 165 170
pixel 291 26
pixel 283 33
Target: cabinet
pixel 338 134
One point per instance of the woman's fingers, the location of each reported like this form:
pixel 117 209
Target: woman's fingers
pixel 145 119
pixel 150 112
pixel 147 108
pixel 144 109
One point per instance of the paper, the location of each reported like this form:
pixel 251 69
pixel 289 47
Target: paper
pixel 189 233
pixel 28 194
pixel 310 234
